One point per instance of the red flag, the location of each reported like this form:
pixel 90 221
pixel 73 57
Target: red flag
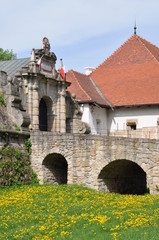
pixel 39 63
pixel 62 73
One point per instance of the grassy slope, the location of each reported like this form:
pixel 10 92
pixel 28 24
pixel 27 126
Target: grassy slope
pixel 72 212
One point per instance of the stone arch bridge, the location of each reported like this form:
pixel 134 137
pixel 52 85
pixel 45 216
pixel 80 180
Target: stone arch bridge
pixel 112 164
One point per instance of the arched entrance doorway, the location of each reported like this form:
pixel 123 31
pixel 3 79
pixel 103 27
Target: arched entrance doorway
pixel 46 115
pixel 55 169
pixel 122 176
pixel 43 116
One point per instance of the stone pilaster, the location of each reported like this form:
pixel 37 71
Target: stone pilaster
pixel 58 108
pixel 35 99
pixel 63 109
pixel 29 102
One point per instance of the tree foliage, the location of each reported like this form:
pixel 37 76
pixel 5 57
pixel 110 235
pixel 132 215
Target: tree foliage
pixel 7 55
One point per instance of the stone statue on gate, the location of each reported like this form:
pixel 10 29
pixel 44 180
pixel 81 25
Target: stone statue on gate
pixel 46 45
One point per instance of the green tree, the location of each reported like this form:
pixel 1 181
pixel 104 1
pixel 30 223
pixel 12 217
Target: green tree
pixel 7 55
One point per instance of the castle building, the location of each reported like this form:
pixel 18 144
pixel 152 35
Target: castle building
pixel 120 97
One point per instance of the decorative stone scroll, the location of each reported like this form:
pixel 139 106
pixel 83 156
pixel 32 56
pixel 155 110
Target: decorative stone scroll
pixel 3 78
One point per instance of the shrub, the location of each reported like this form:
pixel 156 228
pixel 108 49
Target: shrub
pixel 15 168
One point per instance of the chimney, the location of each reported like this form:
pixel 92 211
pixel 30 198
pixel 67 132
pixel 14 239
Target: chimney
pixel 88 70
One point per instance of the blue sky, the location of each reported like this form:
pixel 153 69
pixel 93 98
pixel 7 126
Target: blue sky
pixel 82 32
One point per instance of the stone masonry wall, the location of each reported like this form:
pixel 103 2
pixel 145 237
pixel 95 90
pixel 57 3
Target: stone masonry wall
pixel 87 155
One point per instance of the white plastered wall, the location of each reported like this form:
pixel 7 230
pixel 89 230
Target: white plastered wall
pixel 146 116
pixel 102 120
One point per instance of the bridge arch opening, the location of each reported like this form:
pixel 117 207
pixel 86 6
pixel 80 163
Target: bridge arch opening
pixel 122 176
pixel 55 169
pixel 46 115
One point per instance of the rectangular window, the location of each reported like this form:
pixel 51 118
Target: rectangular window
pixel 131 124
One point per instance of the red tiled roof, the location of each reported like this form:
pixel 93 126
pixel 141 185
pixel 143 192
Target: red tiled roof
pixel 82 86
pixel 130 76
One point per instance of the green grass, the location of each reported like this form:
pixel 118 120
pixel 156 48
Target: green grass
pixel 78 213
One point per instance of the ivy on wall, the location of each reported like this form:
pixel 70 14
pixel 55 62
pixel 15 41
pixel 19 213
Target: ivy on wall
pixel 2 102
pixel 28 145
pixel 15 168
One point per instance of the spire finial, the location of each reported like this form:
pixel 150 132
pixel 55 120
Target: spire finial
pixel 135 28
pixel 61 63
pixel 32 59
